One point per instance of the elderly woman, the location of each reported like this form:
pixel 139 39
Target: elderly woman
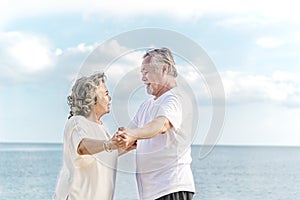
pixel 89 159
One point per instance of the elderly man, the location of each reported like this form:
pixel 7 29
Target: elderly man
pixel 163 152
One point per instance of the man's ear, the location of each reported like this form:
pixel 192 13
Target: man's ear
pixel 165 69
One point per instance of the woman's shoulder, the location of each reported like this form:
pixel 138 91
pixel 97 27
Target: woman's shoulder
pixel 76 123
pixel 77 119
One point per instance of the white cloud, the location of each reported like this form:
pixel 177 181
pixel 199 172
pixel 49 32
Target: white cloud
pixel 269 42
pixel 286 76
pixel 183 10
pixel 81 48
pixel 58 52
pixel 24 57
pixel 261 123
pixel 70 59
pixel 280 87
pixel 240 88
pixel 23 54
pixel 297 38
pixel 102 57
pixel 247 21
pixel 31 54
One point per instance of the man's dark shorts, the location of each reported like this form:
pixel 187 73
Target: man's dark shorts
pixel 182 195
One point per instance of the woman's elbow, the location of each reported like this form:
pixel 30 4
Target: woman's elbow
pixel 81 150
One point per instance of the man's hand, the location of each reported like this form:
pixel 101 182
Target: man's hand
pixel 128 141
pixel 116 142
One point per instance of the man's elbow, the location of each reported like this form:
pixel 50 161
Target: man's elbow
pixel 166 125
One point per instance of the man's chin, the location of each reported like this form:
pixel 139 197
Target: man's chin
pixel 149 91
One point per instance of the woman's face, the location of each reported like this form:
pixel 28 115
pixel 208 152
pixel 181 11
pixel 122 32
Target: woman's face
pixel 103 100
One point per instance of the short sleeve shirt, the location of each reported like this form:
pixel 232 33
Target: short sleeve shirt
pixel 89 177
pixel 163 162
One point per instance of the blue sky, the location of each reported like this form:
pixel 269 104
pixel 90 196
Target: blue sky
pixel 255 46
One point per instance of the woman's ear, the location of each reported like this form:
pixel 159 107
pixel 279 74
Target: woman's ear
pixel 96 100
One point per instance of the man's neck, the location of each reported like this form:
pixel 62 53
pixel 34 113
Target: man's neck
pixel 165 89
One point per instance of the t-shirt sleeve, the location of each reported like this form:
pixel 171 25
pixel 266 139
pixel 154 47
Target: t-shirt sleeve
pixel 134 123
pixel 77 132
pixel 171 108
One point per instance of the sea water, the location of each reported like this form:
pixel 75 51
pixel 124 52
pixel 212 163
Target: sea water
pixel 29 172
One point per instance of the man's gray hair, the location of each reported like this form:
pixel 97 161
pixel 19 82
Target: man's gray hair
pixel 160 57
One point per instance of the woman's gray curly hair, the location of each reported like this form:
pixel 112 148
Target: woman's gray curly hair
pixel 83 96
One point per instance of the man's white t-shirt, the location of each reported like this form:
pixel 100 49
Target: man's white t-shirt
pixel 88 177
pixel 163 162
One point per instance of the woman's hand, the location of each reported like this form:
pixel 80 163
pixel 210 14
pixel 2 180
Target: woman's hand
pixel 128 142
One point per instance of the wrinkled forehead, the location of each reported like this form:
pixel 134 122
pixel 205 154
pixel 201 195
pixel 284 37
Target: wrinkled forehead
pixel 146 64
pixel 146 67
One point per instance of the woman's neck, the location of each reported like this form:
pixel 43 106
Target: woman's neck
pixel 94 118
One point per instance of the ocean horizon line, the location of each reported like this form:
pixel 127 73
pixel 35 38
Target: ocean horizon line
pixel 198 145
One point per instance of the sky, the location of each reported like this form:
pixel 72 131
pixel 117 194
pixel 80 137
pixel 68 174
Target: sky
pixel 253 45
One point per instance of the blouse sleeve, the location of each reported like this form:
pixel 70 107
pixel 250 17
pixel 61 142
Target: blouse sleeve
pixel 77 132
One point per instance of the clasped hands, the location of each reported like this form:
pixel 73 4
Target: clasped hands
pixel 122 139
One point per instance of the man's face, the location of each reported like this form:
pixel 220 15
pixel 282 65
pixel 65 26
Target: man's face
pixel 153 79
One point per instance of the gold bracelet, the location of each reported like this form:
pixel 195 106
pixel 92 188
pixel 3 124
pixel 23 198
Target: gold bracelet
pixel 106 146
